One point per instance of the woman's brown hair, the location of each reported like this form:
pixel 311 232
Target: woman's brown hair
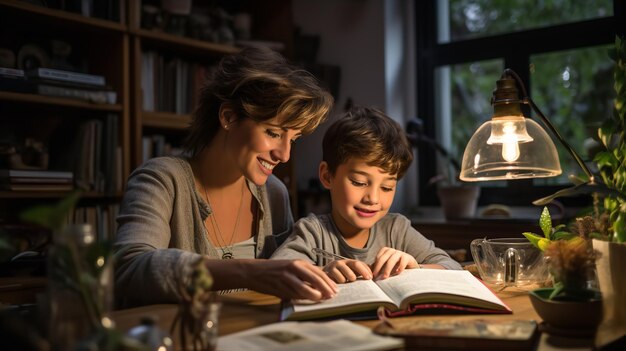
pixel 260 84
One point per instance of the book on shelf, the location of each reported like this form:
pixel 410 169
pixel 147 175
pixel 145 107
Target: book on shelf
pixel 34 81
pixel 100 217
pixel 11 72
pixel 68 76
pixel 41 174
pixel 27 180
pixel 12 79
pixel 471 334
pixel 334 335
pixel 95 96
pixel 413 291
pixel 91 93
pixel 170 84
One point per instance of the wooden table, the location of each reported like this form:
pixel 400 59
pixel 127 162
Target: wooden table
pixel 245 310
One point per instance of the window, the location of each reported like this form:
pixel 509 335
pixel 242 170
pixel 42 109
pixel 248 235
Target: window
pixel 573 89
pixel 470 19
pixel 559 49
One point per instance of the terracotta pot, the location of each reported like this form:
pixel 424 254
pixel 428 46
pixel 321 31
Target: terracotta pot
pixel 458 201
pixel 610 269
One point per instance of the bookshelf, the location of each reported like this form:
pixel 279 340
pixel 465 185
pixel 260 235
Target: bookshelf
pixel 115 49
pixel 98 47
pixel 60 123
pixel 271 21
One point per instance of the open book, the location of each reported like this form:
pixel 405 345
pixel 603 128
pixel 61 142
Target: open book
pixel 412 291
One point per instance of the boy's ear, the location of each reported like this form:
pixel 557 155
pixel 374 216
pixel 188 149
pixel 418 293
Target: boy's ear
pixel 324 174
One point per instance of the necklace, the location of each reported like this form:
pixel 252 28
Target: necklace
pixel 226 249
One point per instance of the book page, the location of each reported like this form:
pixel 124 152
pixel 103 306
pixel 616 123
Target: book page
pixel 435 281
pixel 357 292
pixel 305 336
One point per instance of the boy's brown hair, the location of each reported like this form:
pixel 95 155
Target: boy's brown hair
pixel 368 134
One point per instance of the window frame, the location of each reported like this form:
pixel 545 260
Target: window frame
pixel 515 49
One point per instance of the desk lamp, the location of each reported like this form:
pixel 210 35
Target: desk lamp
pixel 511 146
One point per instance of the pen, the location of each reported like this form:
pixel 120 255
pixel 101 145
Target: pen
pixel 323 253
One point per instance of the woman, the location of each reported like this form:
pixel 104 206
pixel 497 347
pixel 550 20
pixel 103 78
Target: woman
pixel 222 201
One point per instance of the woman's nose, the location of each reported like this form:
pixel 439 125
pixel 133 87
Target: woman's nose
pixel 283 151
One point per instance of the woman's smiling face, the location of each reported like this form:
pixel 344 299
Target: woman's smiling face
pixel 257 147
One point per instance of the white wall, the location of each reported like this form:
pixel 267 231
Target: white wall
pixel 367 39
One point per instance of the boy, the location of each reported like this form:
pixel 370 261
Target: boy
pixel 365 153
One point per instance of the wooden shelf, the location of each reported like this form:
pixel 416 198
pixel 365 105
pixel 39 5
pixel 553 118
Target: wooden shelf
pixel 53 16
pixel 166 120
pixel 57 101
pixel 177 43
pixel 21 290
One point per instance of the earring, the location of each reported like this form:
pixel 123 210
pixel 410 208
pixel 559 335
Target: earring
pixel 226 126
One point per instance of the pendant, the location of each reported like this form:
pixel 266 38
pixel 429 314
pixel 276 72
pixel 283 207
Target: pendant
pixel 227 255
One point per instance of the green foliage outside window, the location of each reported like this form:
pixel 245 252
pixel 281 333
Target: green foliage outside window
pixel 569 86
pixel 479 18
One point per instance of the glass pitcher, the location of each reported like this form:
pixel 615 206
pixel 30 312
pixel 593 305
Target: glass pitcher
pixel 509 262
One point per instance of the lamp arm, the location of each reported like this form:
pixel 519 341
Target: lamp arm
pixel 556 133
pixel 549 125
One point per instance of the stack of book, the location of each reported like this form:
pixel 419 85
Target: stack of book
pixel 13 79
pixel 60 83
pixel 35 180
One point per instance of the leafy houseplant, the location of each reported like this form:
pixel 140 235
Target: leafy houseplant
pixel 457 199
pixel 571 260
pixel 607 224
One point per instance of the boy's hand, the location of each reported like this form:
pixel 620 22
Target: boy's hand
pixel 343 271
pixel 391 262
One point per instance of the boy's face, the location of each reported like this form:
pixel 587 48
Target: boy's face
pixel 360 194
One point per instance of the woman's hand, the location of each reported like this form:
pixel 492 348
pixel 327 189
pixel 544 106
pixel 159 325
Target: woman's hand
pixel 288 279
pixel 343 271
pixel 392 262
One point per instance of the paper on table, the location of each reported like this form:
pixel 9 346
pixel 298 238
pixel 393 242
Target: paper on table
pixel 305 336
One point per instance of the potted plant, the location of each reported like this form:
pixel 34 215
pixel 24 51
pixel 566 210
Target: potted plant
pixel 611 215
pixel 607 224
pixel 458 199
pixel 571 262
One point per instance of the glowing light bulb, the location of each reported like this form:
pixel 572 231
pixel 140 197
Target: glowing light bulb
pixel 510 146
pixel 510 151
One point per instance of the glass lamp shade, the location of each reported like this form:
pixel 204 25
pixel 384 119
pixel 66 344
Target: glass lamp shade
pixel 510 147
